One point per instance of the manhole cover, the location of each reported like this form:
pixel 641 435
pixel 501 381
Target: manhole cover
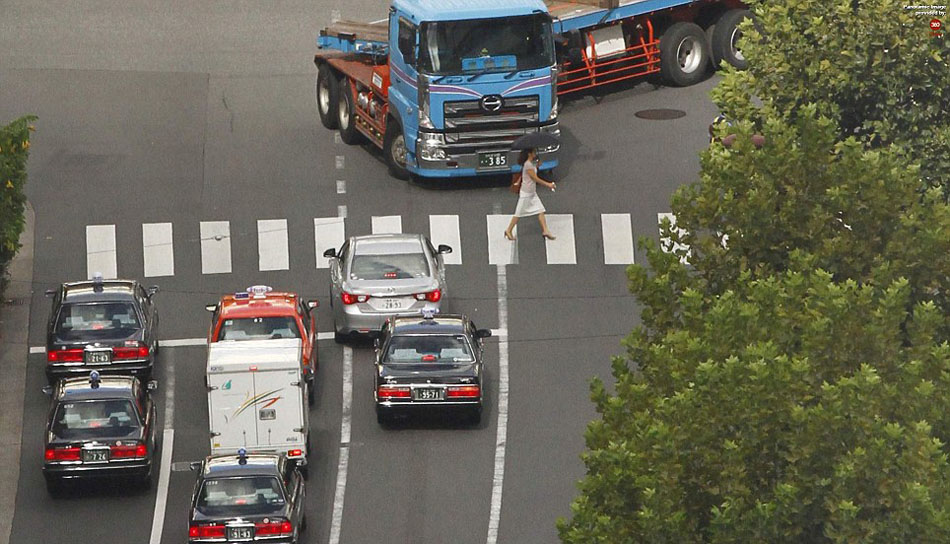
pixel 660 114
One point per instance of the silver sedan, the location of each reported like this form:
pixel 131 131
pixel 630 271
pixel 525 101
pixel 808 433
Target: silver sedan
pixel 373 278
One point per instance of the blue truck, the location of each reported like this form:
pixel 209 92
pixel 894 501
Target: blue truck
pixel 443 87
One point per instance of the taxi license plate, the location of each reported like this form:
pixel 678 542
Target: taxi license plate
pixel 493 160
pixel 429 393
pixel 240 533
pixel 98 357
pixel 95 456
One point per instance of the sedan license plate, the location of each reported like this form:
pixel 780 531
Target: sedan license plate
pixel 393 304
pixel 95 456
pixel 240 533
pixel 493 160
pixel 429 393
pixel 98 357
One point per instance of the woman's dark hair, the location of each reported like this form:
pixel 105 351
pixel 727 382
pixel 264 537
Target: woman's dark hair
pixel 524 156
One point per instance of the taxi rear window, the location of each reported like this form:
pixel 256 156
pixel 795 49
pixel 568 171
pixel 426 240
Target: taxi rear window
pixel 445 349
pixel 97 320
pixel 245 495
pixel 259 328
pixel 95 418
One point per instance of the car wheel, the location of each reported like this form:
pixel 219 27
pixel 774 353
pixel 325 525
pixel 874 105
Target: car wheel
pixel 725 38
pixel 327 94
pixel 346 115
pixel 683 54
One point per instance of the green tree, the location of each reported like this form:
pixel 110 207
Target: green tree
pixel 14 152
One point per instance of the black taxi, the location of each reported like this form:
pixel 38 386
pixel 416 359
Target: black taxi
pixel 99 426
pixel 247 497
pixel 104 325
pixel 429 362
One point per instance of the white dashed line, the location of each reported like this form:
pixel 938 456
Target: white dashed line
pixel 340 162
pixel 340 186
pixel 168 445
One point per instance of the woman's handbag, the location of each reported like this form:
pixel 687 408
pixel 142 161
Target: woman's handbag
pixel 515 186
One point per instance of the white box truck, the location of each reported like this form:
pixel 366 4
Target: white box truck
pixel 257 398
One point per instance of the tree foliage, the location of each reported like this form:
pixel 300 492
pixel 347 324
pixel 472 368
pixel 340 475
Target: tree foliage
pixel 14 151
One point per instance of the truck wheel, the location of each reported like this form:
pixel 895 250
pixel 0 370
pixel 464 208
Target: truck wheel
pixel 725 37
pixel 683 55
pixel 346 115
pixel 394 147
pixel 328 95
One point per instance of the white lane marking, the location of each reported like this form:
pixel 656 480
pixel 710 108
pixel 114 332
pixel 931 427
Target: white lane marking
pixel 158 250
pixel 341 211
pixel 336 524
pixel 668 245
pixel 618 238
pixel 100 251
pixel 501 251
pixel 215 247
pixel 444 229
pixel 501 436
pixel 272 249
pixel 341 186
pixel 561 249
pixel 386 224
pixel 328 232
pixel 337 139
pixel 168 445
pixel 202 341
pixel 340 162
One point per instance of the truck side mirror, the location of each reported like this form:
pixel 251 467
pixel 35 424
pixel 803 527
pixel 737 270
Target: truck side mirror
pixel 331 253
pixel 444 248
pixel 313 304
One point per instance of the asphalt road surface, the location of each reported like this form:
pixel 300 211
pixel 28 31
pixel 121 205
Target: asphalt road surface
pixel 201 116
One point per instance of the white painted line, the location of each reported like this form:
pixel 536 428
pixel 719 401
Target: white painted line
pixel 387 224
pixel 37 349
pixel 341 211
pixel 561 250
pixel 501 251
pixel 325 336
pixel 337 139
pixel 158 250
pixel 215 247
pixel 181 342
pixel 668 245
pixel 168 445
pixel 444 229
pixel 272 249
pixel 618 238
pixel 340 162
pixel 336 523
pixel 498 333
pixel 501 436
pixel 341 186
pixel 327 232
pixel 100 251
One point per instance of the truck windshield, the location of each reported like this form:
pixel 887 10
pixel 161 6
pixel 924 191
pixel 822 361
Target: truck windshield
pixel 503 44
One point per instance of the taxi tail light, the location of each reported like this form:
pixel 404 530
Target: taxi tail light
pixel 349 298
pixel 463 391
pixel 394 393
pixel 434 296
pixel 128 452
pixel 136 352
pixel 206 531
pixel 62 454
pixel 295 453
pixel 274 528
pixel 64 356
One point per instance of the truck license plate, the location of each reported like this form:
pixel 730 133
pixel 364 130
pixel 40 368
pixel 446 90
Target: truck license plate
pixel 428 394
pixel 493 160
pixel 240 533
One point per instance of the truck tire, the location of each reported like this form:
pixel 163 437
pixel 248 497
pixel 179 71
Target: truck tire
pixel 683 54
pixel 346 115
pixel 394 147
pixel 725 36
pixel 327 93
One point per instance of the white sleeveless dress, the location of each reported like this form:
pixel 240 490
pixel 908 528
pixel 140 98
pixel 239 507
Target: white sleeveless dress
pixel 528 201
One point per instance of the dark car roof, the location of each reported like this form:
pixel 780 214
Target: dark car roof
pixel 110 387
pixel 441 324
pixel 90 291
pixel 258 464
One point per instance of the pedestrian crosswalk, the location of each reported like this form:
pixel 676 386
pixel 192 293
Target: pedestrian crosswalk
pixel 158 250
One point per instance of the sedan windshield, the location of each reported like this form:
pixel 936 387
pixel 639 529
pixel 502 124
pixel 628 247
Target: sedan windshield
pixel 97 321
pixel 389 267
pixel 94 419
pixel 245 496
pixel 259 328
pixel 505 43
pixel 426 349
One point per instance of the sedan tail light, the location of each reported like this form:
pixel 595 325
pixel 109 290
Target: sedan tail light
pixel 137 451
pixel 390 392
pixel 463 391
pixel 349 298
pixel 206 531
pixel 62 454
pixel 434 296
pixel 136 352
pixel 274 528
pixel 64 356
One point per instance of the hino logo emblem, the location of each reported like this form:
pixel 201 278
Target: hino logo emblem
pixel 491 102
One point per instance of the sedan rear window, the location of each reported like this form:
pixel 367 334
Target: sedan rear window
pixel 94 418
pixel 425 349
pixel 101 320
pixel 259 328
pixel 389 267
pixel 241 496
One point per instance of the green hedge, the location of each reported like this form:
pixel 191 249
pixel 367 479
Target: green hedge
pixel 14 152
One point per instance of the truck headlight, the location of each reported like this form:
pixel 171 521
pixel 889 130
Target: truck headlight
pixel 424 121
pixel 431 146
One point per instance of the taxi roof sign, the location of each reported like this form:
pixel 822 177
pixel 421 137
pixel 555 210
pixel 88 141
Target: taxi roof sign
pixel 259 291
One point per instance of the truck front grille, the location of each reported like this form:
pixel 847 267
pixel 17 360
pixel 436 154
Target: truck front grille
pixel 467 124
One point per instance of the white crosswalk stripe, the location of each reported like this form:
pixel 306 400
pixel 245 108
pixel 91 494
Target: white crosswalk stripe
pixel 272 250
pixel 387 224
pixel 618 238
pixel 215 247
pixel 444 229
pixel 501 251
pixel 158 250
pixel 560 250
pixel 100 251
pixel 328 232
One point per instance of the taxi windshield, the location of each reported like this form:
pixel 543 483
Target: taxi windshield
pixel 95 419
pixel 444 349
pixel 259 328
pixel 246 496
pixel 99 320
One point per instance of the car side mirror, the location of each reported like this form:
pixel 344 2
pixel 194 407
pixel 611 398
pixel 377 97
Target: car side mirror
pixel 48 390
pixel 51 292
pixel 331 253
pixel 482 333
pixel 152 290
pixel 313 304
pixel 194 465
pixel 151 385
pixel 444 248
pixel 211 307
